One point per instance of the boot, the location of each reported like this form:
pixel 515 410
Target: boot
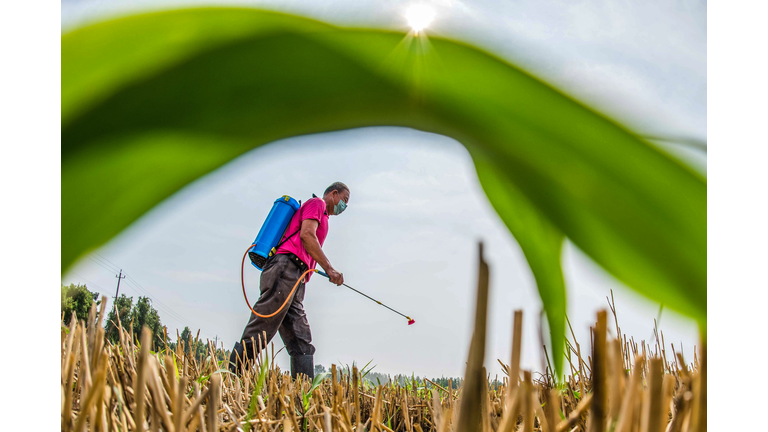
pixel 236 358
pixel 302 364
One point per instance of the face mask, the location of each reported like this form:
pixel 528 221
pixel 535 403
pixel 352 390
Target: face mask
pixel 340 207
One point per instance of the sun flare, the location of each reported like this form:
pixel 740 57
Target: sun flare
pixel 419 17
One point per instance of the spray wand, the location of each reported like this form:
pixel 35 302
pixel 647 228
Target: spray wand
pixel 410 320
pixel 290 295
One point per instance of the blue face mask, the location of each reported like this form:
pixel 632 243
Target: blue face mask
pixel 340 207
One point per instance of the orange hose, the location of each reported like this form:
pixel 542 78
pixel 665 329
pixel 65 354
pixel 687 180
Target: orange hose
pixel 242 282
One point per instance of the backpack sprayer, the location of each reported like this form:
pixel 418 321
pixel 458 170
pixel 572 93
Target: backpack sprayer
pixel 268 241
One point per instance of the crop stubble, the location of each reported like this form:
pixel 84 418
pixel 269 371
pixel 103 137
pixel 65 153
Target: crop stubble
pixel 618 386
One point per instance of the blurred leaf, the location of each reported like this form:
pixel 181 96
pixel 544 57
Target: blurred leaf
pixel 540 241
pixel 152 102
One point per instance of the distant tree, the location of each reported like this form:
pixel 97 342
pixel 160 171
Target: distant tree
pixel 123 304
pixel 319 369
pixel 455 382
pixel 184 339
pixel 143 314
pixel 374 378
pixel 200 347
pixel 77 299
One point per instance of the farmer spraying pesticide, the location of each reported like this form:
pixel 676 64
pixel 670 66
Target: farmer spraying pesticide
pixel 285 270
pixel 289 245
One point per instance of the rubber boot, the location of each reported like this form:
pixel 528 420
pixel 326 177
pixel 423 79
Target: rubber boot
pixel 236 358
pixel 302 364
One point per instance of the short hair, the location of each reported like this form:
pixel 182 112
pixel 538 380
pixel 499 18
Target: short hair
pixel 336 186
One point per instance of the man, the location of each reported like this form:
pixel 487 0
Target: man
pixel 293 257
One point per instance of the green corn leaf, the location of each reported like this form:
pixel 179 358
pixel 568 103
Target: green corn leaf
pixel 174 95
pixel 175 366
pixel 262 375
pixel 364 371
pixel 221 371
pixel 541 243
pixel 253 405
pixel 202 379
pixel 316 382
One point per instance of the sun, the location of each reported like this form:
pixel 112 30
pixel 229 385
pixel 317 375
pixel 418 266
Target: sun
pixel 419 17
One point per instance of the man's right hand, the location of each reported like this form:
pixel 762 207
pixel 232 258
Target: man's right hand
pixel 335 277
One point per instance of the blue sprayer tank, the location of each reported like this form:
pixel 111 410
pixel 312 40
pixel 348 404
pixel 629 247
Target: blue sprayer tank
pixel 272 230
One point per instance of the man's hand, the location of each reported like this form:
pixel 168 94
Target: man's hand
pixel 335 277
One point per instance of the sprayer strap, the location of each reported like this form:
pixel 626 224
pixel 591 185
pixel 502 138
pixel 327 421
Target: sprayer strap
pixel 273 252
pixel 287 238
pixel 274 249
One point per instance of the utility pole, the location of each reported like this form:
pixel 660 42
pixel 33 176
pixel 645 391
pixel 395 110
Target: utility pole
pixel 118 288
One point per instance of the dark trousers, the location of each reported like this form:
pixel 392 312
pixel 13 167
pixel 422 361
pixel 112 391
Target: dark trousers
pixel 277 279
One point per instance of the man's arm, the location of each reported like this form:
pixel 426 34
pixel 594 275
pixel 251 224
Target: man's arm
pixel 311 244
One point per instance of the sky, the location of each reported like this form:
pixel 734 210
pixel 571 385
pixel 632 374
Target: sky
pixel 417 211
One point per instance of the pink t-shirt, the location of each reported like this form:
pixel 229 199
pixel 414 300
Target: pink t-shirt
pixel 314 208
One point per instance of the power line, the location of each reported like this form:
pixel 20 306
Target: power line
pixel 132 282
pixel 117 292
pixel 162 306
pixel 158 303
pixel 105 263
pixel 105 259
pixel 139 289
pixel 136 285
pixel 100 264
pixel 88 281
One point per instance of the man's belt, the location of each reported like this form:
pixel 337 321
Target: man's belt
pixel 298 262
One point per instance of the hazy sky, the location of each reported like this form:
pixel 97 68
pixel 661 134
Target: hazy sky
pixel 416 210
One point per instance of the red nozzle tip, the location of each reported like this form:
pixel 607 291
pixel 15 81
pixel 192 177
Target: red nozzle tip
pixel 411 321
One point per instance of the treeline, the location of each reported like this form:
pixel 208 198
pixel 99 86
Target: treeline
pixel 78 299
pixel 192 343
pixel 376 378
